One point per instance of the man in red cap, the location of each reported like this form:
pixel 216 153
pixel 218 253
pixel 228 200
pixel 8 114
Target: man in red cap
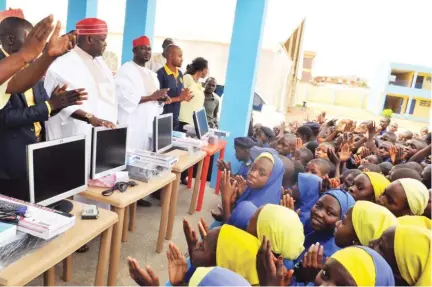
pixel 140 98
pixel 84 67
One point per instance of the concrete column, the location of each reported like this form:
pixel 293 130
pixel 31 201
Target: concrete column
pixel 243 60
pixel 78 10
pixel 139 21
pixel 414 80
pixel 3 5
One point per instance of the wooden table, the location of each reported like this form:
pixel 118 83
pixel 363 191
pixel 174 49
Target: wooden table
pixel 210 150
pixel 185 161
pixel 122 203
pixel 45 258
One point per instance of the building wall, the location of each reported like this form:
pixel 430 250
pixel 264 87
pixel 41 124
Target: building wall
pixel 427 82
pixel 421 110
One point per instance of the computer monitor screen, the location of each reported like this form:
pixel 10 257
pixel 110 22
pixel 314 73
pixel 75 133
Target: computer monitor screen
pixel 162 133
pixel 201 124
pixel 108 151
pixel 57 169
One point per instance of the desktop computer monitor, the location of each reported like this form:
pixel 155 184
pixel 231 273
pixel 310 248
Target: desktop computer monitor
pixel 200 122
pixel 162 133
pixel 108 151
pixel 57 169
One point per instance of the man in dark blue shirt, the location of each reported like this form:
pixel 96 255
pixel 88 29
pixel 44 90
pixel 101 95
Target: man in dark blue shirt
pixel 170 77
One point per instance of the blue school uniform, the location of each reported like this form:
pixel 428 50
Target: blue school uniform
pixel 174 82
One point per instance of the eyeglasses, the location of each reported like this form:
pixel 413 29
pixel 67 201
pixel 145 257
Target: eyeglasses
pixel 120 186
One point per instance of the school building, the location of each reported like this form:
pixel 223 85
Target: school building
pixel 403 88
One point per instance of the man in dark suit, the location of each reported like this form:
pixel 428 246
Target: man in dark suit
pixel 22 115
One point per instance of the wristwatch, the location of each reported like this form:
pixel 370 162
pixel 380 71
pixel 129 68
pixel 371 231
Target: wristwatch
pixel 88 116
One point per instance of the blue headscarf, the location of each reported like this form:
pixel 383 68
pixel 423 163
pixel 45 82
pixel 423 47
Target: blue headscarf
pixel 218 276
pixel 383 271
pixel 271 191
pixel 308 187
pixel 241 214
pixel 326 238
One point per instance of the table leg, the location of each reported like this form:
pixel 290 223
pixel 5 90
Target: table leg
pixel 125 232
pixel 203 182
pixel 219 173
pixel 132 217
pixel 115 247
pixel 165 198
pixel 197 185
pixel 190 175
pixel 67 269
pixel 49 277
pixel 102 265
pixel 173 206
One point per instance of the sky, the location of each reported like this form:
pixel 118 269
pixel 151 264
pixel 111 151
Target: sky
pixel 350 37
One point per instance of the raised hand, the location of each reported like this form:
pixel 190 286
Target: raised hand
pixel 288 202
pixel 58 46
pixel 357 159
pixel 221 165
pixel 36 39
pixel 271 271
pixel 299 143
pixel 371 129
pixel 345 152
pixel 394 152
pixel 321 118
pixel 241 184
pixel 227 188
pixel 143 277
pixel 333 157
pixel 60 98
pixel 203 228
pixel 312 262
pixel 177 266
pixel 190 234
pixel 324 185
pixel 334 182
pixel 365 152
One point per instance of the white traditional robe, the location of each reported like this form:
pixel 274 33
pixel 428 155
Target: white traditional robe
pixel 132 83
pixel 78 69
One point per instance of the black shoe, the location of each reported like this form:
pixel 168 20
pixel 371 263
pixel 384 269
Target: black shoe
pixel 144 203
pixel 184 181
pixel 83 249
pixel 156 194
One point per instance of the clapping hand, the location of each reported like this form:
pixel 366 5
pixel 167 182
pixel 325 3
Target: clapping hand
pixel 186 95
pixel 357 160
pixel 143 277
pixel 396 154
pixel 60 98
pixel 271 271
pixel 299 143
pixel 222 165
pixel 203 228
pixel 177 266
pixel 228 186
pixel 58 46
pixel 241 184
pixel 35 41
pixel 312 262
pixel 190 234
pixel 288 202
pixel 345 152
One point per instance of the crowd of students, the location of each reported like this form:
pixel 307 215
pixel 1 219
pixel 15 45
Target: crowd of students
pixel 327 202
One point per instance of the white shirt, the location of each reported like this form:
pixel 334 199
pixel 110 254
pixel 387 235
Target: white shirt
pixel 78 69
pixel 132 83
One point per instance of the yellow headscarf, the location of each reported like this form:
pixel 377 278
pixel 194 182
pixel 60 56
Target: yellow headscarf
pixel 379 183
pixel 266 155
pixel 370 220
pixel 419 221
pixel 413 254
pixel 283 228
pixel 237 250
pixel 358 263
pixel 417 195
